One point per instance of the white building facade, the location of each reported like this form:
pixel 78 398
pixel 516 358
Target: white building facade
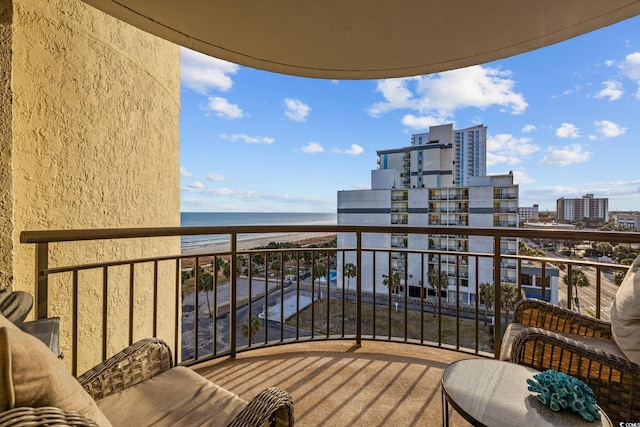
pixel 417 186
pixel 528 213
pixel 627 219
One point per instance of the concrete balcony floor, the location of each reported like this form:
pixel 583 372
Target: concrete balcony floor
pixel 336 383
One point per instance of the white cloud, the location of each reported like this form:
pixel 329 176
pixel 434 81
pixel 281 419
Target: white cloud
pixel 312 148
pixel 421 122
pixel 472 87
pixel 200 189
pixel 612 90
pixel 609 129
pixel 396 94
pixel 631 66
pixel 575 89
pixel 296 110
pixel 248 139
pixel 505 148
pixel 184 172
pixel 476 86
pixel 565 156
pixel 202 73
pixel 528 128
pixel 215 177
pixel 567 130
pixel 521 177
pixel 223 108
pixel 494 159
pixel 355 150
pixel 217 198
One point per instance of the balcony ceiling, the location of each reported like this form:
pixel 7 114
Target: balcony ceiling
pixel 364 39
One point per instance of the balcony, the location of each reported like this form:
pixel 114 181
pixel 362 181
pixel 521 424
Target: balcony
pixel 371 354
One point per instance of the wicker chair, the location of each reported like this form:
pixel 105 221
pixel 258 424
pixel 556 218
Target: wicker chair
pixel 544 336
pixel 15 306
pixel 136 364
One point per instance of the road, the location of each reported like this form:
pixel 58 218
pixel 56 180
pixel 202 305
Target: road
pixel 587 294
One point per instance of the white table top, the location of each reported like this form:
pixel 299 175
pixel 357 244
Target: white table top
pixel 494 393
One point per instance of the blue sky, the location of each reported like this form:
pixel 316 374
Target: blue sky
pixel 565 119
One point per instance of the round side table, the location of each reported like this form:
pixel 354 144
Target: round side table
pixel 494 393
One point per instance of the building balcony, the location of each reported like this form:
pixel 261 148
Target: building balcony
pixel 506 210
pixel 505 196
pixel 317 338
pixel 505 223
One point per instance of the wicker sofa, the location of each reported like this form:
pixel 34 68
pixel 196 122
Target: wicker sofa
pixel 138 386
pixel 602 354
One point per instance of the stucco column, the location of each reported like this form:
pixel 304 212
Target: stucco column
pixel 6 178
pixel 89 121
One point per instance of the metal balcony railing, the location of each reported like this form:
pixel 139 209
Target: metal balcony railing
pixel 306 291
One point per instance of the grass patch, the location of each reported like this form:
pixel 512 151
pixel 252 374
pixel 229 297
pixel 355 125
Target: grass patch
pixel 429 330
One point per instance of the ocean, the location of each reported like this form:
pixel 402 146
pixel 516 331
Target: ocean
pixel 195 219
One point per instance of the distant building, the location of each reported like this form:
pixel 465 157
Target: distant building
pixel 443 157
pixel 531 281
pixel 586 207
pixel 627 219
pixel 526 213
pixel 438 180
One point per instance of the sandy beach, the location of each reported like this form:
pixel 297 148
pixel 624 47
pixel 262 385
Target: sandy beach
pixel 301 238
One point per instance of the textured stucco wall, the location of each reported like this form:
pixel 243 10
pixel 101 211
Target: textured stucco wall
pixel 95 145
pixel 6 180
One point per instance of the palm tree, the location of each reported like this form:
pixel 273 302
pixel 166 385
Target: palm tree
pixel 391 282
pixel 437 281
pixel 275 267
pixel 509 296
pixel 349 272
pixel 578 279
pixel 226 266
pixel 487 293
pixel 250 327
pixel 205 284
pixel 319 270
pixel 187 274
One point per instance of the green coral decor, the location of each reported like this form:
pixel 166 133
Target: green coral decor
pixel 561 391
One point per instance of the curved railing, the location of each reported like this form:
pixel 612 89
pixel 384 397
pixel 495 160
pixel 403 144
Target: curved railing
pixel 354 291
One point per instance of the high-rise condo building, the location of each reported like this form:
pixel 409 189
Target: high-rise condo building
pixel 439 180
pixel 443 157
pixel 586 207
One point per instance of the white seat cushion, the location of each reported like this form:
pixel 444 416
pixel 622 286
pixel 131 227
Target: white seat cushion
pixel 604 344
pixel 177 397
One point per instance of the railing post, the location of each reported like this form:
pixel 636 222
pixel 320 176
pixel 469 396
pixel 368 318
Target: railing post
pixel 497 321
pixel 42 280
pixel 233 292
pixel 359 288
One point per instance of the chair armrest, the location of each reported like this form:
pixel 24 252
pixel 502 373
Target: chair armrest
pixel 15 306
pixel 138 362
pixel 43 416
pixel 615 381
pixel 272 406
pixel 541 314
